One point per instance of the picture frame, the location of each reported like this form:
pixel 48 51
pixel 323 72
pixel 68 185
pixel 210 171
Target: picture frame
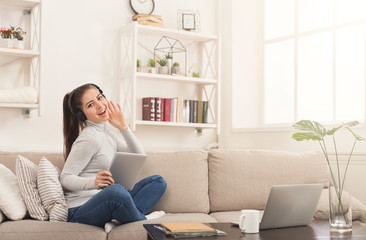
pixel 188 20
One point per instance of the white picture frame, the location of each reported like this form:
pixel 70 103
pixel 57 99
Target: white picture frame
pixel 188 20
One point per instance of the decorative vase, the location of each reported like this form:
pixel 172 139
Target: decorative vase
pixel 169 65
pixel 175 70
pixel 163 70
pixel 340 208
pixel 19 44
pixel 7 42
pixel 151 70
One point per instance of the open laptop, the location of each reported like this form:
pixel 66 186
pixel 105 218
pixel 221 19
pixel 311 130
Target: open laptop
pixel 125 168
pixel 290 205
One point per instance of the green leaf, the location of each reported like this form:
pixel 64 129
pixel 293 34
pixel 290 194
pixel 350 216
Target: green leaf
pixel 357 137
pixel 306 136
pixel 333 130
pixel 314 130
pixel 350 124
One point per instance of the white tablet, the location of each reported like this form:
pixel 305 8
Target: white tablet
pixel 126 167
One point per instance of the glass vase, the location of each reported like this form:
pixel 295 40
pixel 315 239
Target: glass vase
pixel 340 208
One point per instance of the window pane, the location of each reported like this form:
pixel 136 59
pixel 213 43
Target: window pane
pixel 314 14
pixel 350 10
pixel 314 76
pixel 279 82
pixel 350 73
pixel 279 18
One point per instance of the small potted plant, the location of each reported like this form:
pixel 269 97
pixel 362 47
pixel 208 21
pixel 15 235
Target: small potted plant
pixel 18 34
pixel 151 64
pixel 175 68
pixel 163 69
pixel 7 35
pixel 138 65
pixel 169 59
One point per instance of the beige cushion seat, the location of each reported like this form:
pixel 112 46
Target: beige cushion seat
pixel 45 230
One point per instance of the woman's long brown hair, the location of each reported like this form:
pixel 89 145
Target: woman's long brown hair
pixel 71 124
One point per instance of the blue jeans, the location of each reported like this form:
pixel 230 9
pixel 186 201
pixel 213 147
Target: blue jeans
pixel 116 202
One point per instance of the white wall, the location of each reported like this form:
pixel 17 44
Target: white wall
pixel 80 43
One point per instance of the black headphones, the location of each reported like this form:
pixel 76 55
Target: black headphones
pixel 77 112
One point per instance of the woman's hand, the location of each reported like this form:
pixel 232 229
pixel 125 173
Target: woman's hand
pixel 103 179
pixel 116 117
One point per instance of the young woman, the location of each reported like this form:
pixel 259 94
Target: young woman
pixel 90 192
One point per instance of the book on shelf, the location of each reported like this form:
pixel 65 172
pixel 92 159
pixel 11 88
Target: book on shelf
pixel 204 111
pixel 148 109
pixel 166 109
pixel 186 111
pixel 174 109
pixel 158 109
pixel 199 112
pixel 194 111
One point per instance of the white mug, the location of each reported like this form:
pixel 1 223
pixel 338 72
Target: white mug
pixel 249 221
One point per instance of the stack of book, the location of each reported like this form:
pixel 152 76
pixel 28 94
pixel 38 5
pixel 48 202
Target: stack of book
pixel 174 110
pixel 187 229
pixel 146 19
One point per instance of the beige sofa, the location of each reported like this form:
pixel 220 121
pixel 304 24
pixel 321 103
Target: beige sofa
pixel 202 187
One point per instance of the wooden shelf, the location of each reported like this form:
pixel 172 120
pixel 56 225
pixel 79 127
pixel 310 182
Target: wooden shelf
pixel 176 124
pixel 19 105
pixel 173 78
pixel 18 52
pixel 21 3
pixel 174 33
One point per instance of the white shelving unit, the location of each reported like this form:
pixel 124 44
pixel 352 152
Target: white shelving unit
pixel 134 37
pixel 31 10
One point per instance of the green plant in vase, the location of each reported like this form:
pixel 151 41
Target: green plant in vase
pixel 163 69
pixel 340 213
pixel 151 64
pixel 175 68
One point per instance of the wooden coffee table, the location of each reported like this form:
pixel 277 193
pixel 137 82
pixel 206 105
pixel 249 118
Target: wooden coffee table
pixel 316 230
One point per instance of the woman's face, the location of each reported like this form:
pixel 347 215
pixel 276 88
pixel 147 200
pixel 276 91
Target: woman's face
pixel 95 106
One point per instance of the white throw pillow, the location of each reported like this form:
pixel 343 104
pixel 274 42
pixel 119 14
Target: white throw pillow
pixel 11 202
pixel 51 192
pixel 26 172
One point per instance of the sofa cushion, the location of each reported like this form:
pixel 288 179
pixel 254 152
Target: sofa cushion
pixel 11 202
pixel 135 230
pixel 51 192
pixel 8 158
pixel 45 230
pixel 186 174
pixel 322 210
pixel 242 179
pixel 27 181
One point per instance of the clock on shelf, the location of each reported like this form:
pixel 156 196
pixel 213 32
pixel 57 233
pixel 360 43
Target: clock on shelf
pixel 142 6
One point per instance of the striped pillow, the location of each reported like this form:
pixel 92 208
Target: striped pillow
pixel 51 192
pixel 27 181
